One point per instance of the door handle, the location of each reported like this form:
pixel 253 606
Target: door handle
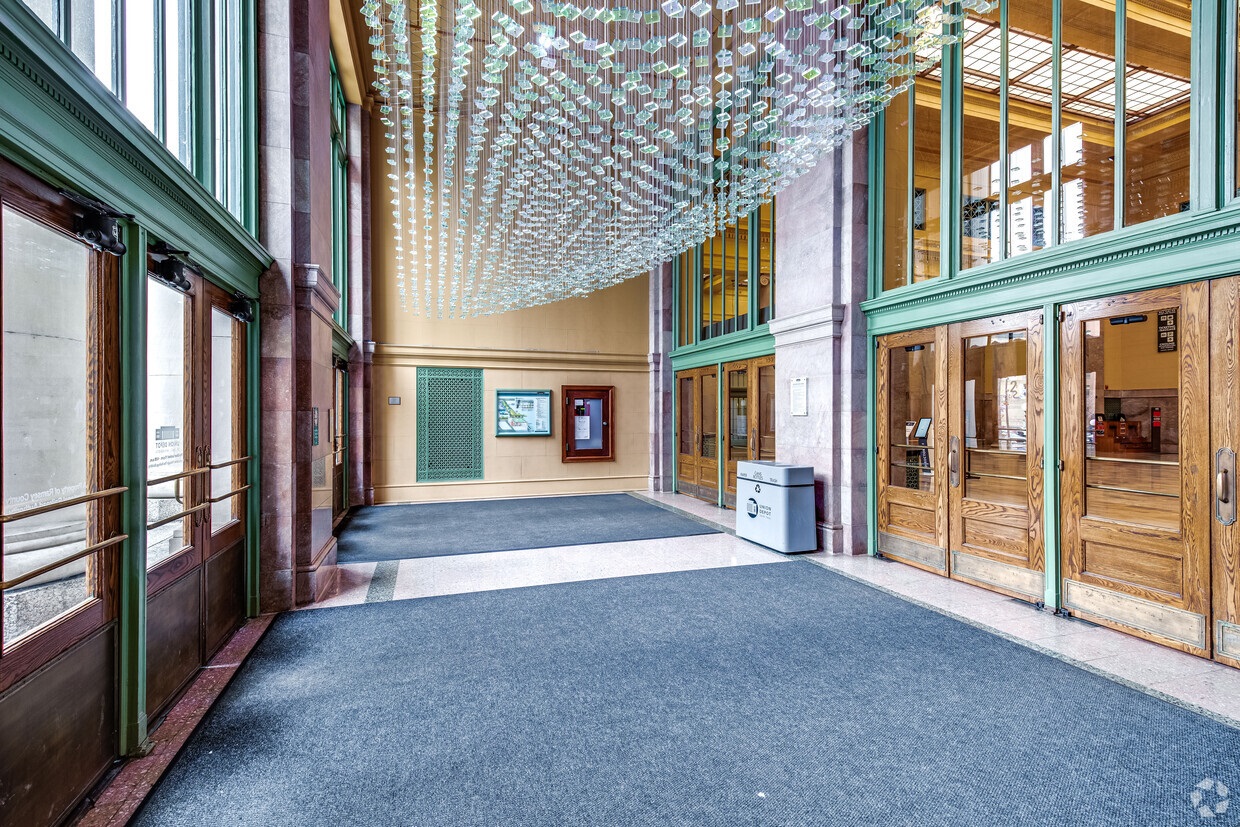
pixel 1225 486
pixel 953 462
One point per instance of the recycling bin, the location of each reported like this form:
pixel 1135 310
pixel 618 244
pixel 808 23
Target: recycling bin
pixel 775 505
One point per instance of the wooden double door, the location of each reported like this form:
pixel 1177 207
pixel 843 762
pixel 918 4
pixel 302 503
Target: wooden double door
pixel 197 461
pixel 724 415
pixel 960 451
pixel 1150 426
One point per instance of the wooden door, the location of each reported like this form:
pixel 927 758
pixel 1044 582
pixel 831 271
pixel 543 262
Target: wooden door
pixel 913 449
pixel 739 392
pixel 762 407
pixel 697 433
pixel 995 418
pixel 1225 425
pixel 1135 434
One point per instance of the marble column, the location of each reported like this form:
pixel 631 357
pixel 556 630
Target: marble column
pixel 662 425
pixel 821 263
pixel 360 483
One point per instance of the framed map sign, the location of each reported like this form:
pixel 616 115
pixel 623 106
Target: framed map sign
pixel 523 413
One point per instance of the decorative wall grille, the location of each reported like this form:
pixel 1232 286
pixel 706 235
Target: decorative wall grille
pixel 449 424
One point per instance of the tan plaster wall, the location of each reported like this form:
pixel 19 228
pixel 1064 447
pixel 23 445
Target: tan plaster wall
pixel 598 340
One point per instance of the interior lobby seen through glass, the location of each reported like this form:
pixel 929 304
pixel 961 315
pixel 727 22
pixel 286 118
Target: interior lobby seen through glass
pixel 912 412
pixel 996 408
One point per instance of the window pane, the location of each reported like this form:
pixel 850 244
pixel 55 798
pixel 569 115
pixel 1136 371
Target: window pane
pixel 927 113
pixel 46 408
pixel 166 448
pixel 228 137
pixel 766 413
pixel 731 281
pixel 224 434
pixel 897 200
pixel 742 274
pixel 1132 400
pixel 912 401
pixel 140 69
pixel 710 415
pixel 995 407
pixel 1030 52
pixel 1156 110
pixel 766 263
pixel 980 142
pixel 684 415
pixel 738 414
pixel 1088 118
pixel 177 75
pixel 92 36
pixel 685 288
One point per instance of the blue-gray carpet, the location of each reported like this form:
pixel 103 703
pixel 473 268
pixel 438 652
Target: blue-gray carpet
pixel 777 694
pixel 399 532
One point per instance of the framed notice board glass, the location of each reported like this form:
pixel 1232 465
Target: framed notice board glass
pixel 588 423
pixel 523 413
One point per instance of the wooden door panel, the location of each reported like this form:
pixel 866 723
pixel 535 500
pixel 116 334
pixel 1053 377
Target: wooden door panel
pixel 1136 508
pixel 996 412
pixel 1225 432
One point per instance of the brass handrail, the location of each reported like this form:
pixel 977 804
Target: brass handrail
pixel 182 475
pixel 1097 487
pixel 47 509
pixel 178 516
pixel 41 570
pixel 229 495
pixel 230 463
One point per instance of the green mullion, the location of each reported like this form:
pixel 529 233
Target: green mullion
pixel 161 72
pixel 697 294
pixel 754 271
pixel 676 276
pixel 1005 167
pixel 875 213
pixel 1206 112
pixel 254 466
pixel 910 182
pixel 1121 111
pixel 248 106
pixel 951 223
pixel 1050 453
pixel 202 91
pixel 132 612
pixel 1227 87
pixel 721 459
pixel 64 22
pixel 1051 220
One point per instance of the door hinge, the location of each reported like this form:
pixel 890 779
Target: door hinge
pixel 1061 466
pixel 1063 316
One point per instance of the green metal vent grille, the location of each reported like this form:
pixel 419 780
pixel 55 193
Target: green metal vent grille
pixel 449 424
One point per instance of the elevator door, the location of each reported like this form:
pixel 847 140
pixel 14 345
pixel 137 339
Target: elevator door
pixel 1135 442
pixel 995 453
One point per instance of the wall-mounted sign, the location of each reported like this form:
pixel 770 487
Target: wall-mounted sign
pixel 1166 330
pixel 523 413
pixel 800 397
pixel 393 400
pixel 314 426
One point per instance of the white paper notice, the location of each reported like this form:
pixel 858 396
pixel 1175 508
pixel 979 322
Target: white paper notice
pixel 800 397
pixel 581 427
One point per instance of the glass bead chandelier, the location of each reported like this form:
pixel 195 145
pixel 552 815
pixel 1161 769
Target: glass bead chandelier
pixel 541 150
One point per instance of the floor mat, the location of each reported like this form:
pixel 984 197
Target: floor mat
pixel 399 532
pixel 758 695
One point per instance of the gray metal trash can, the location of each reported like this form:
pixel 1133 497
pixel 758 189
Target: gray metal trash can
pixel 775 505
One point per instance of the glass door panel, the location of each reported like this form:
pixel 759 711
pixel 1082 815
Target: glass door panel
pixel 708 448
pixel 738 420
pixel 910 433
pixel 766 410
pixel 170 467
pixel 227 474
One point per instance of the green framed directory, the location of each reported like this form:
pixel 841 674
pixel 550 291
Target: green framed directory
pixel 522 413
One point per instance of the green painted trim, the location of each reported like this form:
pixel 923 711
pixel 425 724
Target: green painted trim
pixel 63 124
pixel 1050 452
pixel 697 295
pixel 202 123
pixel 876 201
pixel 254 436
pixel 249 118
pixel 731 348
pixel 950 163
pixel 871 443
pixel 1118 147
pixel 1227 138
pixel 132 613
pixel 1206 111
pixel 1051 238
pixel 1005 164
pixel 342 342
pixel 1169 250
pixel 721 416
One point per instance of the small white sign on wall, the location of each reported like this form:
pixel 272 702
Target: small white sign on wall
pixel 800 397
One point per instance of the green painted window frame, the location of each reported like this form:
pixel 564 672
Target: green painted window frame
pixel 436 422
pixel 696 341
pixel 220 53
pixel 1213 176
pixel 340 195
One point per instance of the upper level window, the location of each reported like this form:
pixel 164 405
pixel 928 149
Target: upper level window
pixel 340 196
pixel 1123 143
pixel 147 53
pixel 727 284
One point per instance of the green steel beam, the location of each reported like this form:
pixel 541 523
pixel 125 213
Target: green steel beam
pixel 202 88
pixel 132 619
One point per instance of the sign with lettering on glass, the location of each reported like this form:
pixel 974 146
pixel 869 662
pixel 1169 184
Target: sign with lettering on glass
pixel 523 413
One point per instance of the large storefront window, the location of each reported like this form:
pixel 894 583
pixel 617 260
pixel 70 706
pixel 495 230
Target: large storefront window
pixel 729 279
pixel 1120 97
pixel 143 52
pixel 340 197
